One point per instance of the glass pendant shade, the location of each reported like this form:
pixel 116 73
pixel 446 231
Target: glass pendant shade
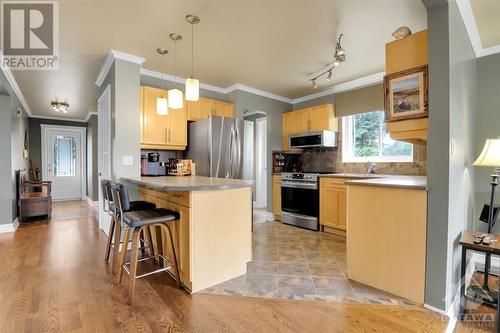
pixel 175 100
pixel 192 89
pixel 162 106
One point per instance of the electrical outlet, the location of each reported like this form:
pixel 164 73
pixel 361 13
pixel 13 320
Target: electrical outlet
pixel 128 161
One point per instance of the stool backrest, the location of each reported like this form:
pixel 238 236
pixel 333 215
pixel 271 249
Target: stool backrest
pixel 120 196
pixel 106 195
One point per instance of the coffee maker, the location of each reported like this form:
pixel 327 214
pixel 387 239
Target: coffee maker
pixel 151 165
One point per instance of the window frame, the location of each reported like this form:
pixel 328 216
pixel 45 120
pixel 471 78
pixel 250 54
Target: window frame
pixel 348 146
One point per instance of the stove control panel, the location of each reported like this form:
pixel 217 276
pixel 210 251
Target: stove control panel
pixel 306 177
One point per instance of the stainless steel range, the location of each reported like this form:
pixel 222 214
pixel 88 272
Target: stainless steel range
pixel 300 199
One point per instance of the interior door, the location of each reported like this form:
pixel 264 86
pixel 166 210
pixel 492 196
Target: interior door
pixel 63 162
pixel 261 163
pixel 104 151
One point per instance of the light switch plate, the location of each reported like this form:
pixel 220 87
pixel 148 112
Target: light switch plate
pixel 128 160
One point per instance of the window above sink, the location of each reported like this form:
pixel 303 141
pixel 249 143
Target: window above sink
pixel 365 139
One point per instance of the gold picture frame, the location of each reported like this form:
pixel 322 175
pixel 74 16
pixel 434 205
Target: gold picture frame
pixel 406 94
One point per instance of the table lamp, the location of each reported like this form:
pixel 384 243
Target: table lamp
pixel 489 157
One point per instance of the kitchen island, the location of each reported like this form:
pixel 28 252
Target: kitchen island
pixel 387 232
pixel 214 235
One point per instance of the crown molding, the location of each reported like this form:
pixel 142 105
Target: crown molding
pixel 59 118
pixel 255 91
pixel 178 79
pixel 15 87
pixel 89 114
pixel 346 86
pixel 127 57
pixel 110 58
pixel 465 10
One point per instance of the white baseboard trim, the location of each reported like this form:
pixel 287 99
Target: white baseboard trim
pixel 452 312
pixel 10 227
pixel 269 216
pixel 91 203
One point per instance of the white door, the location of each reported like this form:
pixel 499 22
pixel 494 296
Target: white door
pixel 63 160
pixel 104 150
pixel 261 163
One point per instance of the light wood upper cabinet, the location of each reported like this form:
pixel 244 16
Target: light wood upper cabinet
pixel 313 119
pixel 323 118
pixel 400 55
pixel 407 53
pixel 170 132
pixel 277 197
pixel 167 132
pixel 333 203
pixel 206 107
pixel 154 126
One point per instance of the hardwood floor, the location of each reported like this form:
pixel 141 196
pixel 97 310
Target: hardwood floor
pixel 53 278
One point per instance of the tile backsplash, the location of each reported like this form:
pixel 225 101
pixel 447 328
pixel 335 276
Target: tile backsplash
pixel 320 159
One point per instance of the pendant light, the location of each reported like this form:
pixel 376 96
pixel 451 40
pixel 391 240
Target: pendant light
pixel 192 84
pixel 161 102
pixel 175 98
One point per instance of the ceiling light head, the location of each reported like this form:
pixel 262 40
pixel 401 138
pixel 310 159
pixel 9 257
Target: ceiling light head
pixel 314 84
pixel 60 107
pixel 340 52
pixel 162 51
pixel 192 19
pixel 175 36
pixel 329 77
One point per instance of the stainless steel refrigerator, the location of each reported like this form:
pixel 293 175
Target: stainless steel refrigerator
pixel 216 146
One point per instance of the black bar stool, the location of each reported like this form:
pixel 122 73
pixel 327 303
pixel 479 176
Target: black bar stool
pixel 114 229
pixel 136 221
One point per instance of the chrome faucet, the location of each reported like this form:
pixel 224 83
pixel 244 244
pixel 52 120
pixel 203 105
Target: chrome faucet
pixel 370 168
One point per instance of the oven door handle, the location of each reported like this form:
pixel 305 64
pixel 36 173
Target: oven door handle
pixel 311 186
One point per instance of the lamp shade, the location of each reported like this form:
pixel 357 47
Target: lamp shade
pixel 490 156
pixel 162 106
pixel 175 100
pixel 192 89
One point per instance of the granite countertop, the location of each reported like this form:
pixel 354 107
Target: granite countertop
pixel 188 183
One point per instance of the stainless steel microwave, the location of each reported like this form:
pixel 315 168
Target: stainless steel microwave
pixel 314 139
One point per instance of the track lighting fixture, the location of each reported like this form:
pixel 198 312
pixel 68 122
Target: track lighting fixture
pixel 338 57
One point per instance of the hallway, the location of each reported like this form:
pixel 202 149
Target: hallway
pixel 53 279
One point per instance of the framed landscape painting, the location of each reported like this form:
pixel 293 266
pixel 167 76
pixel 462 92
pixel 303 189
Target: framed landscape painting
pixel 406 94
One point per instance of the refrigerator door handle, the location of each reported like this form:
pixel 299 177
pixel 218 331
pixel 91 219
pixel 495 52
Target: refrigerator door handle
pixel 231 152
pixel 238 151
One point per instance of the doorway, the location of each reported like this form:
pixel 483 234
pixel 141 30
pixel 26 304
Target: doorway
pixel 104 151
pixel 260 152
pixel 63 160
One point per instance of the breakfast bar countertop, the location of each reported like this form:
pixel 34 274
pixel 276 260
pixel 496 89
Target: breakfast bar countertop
pixel 188 183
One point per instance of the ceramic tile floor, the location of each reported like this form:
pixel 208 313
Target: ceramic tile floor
pixel 299 264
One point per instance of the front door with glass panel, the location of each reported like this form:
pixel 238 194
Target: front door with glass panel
pixel 63 150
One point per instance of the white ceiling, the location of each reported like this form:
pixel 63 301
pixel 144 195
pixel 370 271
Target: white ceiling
pixel 271 45
pixel 487 18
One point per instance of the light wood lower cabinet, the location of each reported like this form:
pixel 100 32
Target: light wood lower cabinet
pixel 333 203
pixel 178 202
pixel 277 197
